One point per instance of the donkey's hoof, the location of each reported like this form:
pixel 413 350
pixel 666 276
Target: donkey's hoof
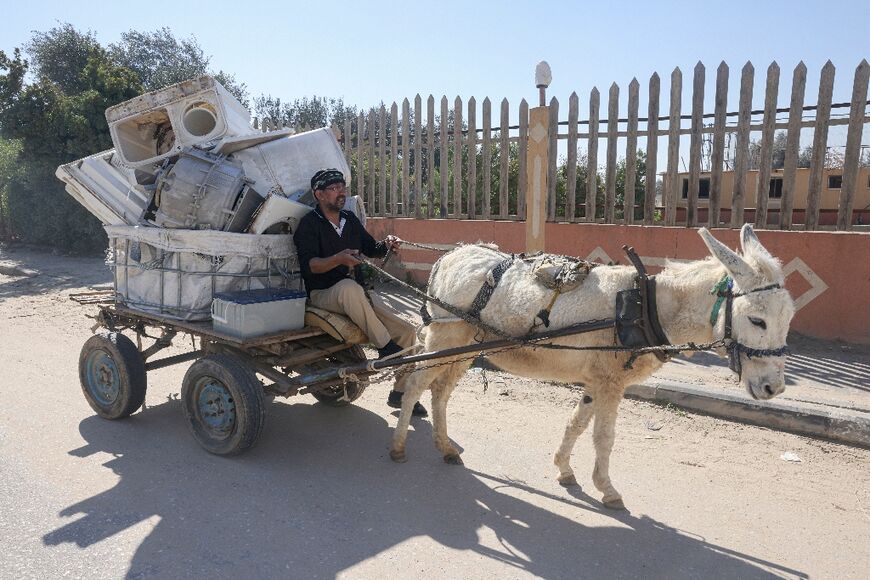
pixel 398 456
pixel 614 504
pixel 453 459
pixel 568 480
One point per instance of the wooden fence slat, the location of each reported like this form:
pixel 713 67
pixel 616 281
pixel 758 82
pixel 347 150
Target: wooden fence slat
pixel 673 188
pixel 406 156
pixel 792 144
pixel 765 158
pixel 418 156
pixel 504 160
pixel 394 159
pixel 631 152
pixel 372 192
pixel 741 161
pixel 852 159
pixel 382 159
pixel 457 158
pixel 571 185
pixel 471 140
pixel 820 142
pixel 717 157
pixel 695 145
pixel 610 171
pixel 430 156
pixel 360 158
pixel 552 158
pixel 652 149
pixel 592 156
pixel 444 162
pixel 486 112
pixel 522 186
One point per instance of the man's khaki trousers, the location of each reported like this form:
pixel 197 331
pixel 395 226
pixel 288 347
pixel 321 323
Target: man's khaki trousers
pixel 375 318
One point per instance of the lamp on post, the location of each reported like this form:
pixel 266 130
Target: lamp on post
pixel 543 78
pixel 537 162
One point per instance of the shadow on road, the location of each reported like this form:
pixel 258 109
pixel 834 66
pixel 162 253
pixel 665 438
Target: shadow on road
pixel 51 273
pixel 319 495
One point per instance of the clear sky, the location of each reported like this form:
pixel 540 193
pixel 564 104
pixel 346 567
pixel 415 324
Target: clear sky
pixel 368 52
pixel 372 52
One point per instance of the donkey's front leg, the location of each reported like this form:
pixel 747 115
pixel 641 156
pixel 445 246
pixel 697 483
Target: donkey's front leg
pixel 603 435
pixel 579 421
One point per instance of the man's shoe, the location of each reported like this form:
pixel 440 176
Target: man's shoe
pixel 395 401
pixel 389 349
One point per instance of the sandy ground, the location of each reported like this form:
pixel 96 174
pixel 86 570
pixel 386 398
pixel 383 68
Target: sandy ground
pixel 319 498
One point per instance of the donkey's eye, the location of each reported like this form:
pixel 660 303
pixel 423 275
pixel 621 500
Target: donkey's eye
pixel 758 322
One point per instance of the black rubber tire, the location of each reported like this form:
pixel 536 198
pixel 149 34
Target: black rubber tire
pixel 224 404
pixel 112 375
pixel 335 396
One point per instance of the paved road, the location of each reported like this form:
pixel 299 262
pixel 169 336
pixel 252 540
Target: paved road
pixel 318 497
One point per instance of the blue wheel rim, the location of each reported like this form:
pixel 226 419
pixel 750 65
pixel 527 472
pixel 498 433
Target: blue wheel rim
pixel 215 407
pixel 103 377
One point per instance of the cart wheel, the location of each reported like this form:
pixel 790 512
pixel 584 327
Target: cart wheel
pixel 112 374
pixel 224 404
pixel 341 395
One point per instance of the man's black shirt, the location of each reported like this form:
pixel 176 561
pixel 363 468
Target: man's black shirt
pixel 315 237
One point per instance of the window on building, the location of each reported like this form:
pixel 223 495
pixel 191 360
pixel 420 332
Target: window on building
pixel 835 181
pixel 703 188
pixel 775 188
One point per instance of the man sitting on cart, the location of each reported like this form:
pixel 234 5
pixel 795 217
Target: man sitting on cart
pixel 329 241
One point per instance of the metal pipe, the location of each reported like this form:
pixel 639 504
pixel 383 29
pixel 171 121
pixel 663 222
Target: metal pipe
pixel 172 360
pixel 371 367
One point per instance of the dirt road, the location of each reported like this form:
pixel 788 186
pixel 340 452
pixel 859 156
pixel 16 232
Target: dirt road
pixel 319 497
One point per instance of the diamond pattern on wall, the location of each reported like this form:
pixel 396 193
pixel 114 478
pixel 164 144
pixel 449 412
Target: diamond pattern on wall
pixel 817 285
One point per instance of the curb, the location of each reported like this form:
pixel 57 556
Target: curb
pixel 838 426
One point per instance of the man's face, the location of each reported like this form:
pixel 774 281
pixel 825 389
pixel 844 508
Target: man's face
pixel 332 197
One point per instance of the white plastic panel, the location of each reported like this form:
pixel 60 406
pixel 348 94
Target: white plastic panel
pixel 159 124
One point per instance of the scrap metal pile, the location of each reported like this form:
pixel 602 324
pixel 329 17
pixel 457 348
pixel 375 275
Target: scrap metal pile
pixel 196 201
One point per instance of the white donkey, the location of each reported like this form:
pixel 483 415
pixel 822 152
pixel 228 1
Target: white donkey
pixel 757 313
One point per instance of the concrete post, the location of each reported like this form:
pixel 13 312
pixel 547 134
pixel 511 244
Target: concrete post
pixel 536 187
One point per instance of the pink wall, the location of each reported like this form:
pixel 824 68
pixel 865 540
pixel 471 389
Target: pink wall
pixel 828 273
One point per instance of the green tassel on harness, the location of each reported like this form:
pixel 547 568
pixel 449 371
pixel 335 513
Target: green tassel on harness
pixel 719 289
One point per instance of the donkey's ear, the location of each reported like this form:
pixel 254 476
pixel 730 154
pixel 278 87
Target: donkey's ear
pixel 736 266
pixel 751 245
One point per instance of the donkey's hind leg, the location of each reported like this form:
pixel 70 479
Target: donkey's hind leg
pixel 583 413
pixel 441 378
pixel 441 390
pixel 415 383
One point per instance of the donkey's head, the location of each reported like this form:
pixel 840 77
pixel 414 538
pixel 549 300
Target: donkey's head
pixel 753 313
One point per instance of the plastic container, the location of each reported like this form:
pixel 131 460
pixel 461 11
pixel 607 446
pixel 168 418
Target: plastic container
pixel 176 273
pixel 257 312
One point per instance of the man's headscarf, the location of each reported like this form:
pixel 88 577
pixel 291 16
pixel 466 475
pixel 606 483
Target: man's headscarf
pixel 326 177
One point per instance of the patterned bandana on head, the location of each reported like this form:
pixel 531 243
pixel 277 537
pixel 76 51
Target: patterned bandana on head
pixel 326 177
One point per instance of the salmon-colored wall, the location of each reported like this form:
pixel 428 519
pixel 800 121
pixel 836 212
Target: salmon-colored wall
pixel 828 273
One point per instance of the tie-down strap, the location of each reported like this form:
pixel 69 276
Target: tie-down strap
pixel 489 285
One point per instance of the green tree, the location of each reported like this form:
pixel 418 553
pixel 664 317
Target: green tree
pixel 53 127
pixel 60 54
pixel 9 174
pixel 160 59
pixel 313 112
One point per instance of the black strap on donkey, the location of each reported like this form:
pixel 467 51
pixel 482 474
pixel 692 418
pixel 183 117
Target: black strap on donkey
pixel 637 319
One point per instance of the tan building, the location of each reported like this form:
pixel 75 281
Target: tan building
pixel 832 181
